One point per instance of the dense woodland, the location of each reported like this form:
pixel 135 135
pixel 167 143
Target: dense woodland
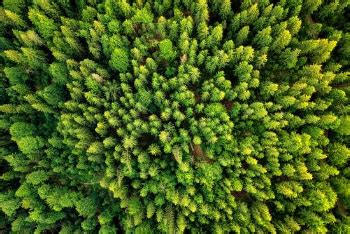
pixel 172 116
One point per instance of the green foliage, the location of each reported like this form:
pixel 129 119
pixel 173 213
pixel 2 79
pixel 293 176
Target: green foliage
pixel 29 144
pixel 37 177
pixel 86 207
pixel 19 130
pixel 44 25
pixel 174 116
pixel 166 50
pixel 344 126
pixel 9 204
pixel 119 60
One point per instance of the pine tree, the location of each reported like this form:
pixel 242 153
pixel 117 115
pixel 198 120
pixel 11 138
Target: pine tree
pixel 166 50
pixel 119 60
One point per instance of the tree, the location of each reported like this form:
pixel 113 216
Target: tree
pixel 142 16
pixel 45 25
pixel 242 35
pixel 31 145
pixel 119 60
pixel 166 50
pixel 281 41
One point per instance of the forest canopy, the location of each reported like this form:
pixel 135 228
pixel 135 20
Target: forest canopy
pixel 173 116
